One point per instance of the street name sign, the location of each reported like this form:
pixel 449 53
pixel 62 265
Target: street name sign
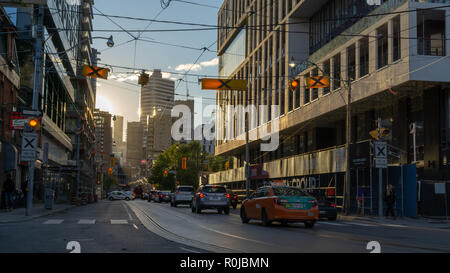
pixel 381 155
pixel 29 145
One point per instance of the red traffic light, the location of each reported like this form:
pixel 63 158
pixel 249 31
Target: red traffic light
pixel 294 84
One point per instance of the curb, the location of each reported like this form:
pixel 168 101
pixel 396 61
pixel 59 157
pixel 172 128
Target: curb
pixel 37 216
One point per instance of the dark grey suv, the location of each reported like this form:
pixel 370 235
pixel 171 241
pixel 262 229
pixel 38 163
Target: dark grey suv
pixel 211 197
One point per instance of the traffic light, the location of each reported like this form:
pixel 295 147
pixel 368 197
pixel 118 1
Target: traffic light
pixel 99 182
pixel 110 171
pixel 166 173
pixel 35 124
pixel 144 78
pixel 184 163
pixel 384 132
pixel 294 85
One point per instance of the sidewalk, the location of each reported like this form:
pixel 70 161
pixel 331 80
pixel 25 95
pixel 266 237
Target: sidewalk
pixel 406 221
pixel 37 211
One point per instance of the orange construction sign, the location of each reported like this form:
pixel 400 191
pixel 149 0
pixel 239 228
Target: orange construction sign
pixel 95 72
pixel 317 82
pixel 222 84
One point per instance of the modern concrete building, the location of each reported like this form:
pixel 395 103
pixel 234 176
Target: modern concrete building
pixel 66 99
pixel 135 151
pixel 396 64
pixel 157 101
pixel 118 129
pixel 103 140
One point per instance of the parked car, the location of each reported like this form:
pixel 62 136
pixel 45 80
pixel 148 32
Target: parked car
pixel 211 197
pixel 152 195
pixel 182 195
pixel 234 199
pixel 165 196
pixel 327 210
pixel 130 194
pixel 118 195
pixel 282 204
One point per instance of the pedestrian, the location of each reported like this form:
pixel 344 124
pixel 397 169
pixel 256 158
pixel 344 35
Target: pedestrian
pixel 389 198
pixel 8 189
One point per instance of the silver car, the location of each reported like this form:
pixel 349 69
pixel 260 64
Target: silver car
pixel 211 197
pixel 182 195
pixel 118 195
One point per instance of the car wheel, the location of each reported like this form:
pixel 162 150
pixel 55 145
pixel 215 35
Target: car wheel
pixel 284 223
pixel 111 199
pixel 309 224
pixel 192 208
pixel 198 210
pixel 332 218
pixel 175 204
pixel 227 210
pixel 265 221
pixel 219 211
pixel 128 199
pixel 171 204
pixel 234 206
pixel 244 218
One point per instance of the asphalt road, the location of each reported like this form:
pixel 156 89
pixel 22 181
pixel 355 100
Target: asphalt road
pixel 104 227
pixel 225 233
pixel 142 227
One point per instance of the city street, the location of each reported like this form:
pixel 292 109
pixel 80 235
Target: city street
pixel 141 227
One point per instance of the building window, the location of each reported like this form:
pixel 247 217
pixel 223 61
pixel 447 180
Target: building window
pixel 306 95
pixel 363 57
pixel 326 71
pixel 351 62
pixel 382 46
pixel 396 54
pixel 337 71
pixel 431 32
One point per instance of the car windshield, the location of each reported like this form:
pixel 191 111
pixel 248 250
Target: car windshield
pixel 186 189
pixel 214 190
pixel 287 191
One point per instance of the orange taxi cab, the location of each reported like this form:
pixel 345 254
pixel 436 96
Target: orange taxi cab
pixel 280 204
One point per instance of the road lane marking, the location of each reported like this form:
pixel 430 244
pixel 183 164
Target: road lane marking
pixel 360 224
pixel 128 212
pixel 86 222
pixel 328 223
pixel 53 222
pixel 189 250
pixel 393 225
pixel 119 222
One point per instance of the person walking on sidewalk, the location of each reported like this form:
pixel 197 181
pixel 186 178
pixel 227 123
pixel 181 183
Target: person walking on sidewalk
pixel 389 198
pixel 8 188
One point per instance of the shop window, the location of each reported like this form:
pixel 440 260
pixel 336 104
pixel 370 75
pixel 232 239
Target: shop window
pixel 431 32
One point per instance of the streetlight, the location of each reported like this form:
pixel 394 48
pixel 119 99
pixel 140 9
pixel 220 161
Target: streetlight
pixel 292 63
pixel 109 43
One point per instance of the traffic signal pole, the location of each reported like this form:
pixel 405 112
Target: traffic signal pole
pixel 349 141
pixel 38 19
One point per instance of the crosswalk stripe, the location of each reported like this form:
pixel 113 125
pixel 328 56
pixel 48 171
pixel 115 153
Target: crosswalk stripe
pixel 53 222
pixel 393 225
pixel 86 222
pixel 119 222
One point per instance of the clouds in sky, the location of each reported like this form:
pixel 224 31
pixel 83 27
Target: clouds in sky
pixel 197 67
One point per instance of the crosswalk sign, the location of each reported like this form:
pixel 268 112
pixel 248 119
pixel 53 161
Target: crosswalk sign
pixel 318 82
pixel 95 72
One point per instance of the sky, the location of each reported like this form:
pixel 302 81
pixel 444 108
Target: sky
pixel 120 94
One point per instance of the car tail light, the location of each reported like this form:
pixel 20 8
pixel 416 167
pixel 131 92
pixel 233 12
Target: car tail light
pixel 235 197
pixel 227 195
pixel 160 195
pixel 332 205
pixel 178 192
pixel 202 195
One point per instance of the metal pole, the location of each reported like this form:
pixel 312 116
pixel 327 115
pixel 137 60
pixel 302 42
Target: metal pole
pixel 349 130
pixel 401 180
pixel 38 47
pixel 247 158
pixel 371 185
pixel 78 158
pixel 380 179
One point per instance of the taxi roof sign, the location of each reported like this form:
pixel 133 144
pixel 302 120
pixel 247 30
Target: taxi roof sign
pixel 223 84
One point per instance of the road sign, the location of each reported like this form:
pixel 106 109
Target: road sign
pixel 32 113
pixel 317 82
pixel 29 145
pixel 222 84
pixel 381 153
pixel 95 72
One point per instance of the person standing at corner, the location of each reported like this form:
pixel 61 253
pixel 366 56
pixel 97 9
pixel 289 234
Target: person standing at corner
pixel 8 188
pixel 389 198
